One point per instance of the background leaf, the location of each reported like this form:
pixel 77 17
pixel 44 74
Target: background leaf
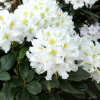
pixel 79 75
pixel 7 91
pixel 22 52
pixel 34 87
pixel 65 86
pixel 4 76
pixel 91 94
pixel 30 75
pixel 23 70
pixel 7 62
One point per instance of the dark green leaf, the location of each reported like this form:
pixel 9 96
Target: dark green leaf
pixel 25 95
pixel 54 96
pixel 21 45
pixel 22 95
pixel 37 77
pixel 80 96
pixel 7 91
pixel 57 97
pixel 81 86
pixel 90 13
pixel 72 13
pixel 16 83
pixel 94 18
pixel 79 75
pixel 51 96
pixel 30 75
pixel 51 84
pixel 7 62
pixel 4 76
pixel 97 85
pixel 24 69
pixel 68 88
pixel 91 94
pixel 34 97
pixel 15 54
pixel 22 52
pixel 34 87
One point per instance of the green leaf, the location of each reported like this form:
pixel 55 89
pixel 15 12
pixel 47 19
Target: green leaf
pixel 15 54
pixel 21 45
pixel 93 15
pixel 72 13
pixel 90 13
pixel 97 85
pixel 54 96
pixel 16 83
pixel 30 75
pixel 4 76
pixel 7 91
pixel 1 96
pixel 57 97
pixel 22 52
pixel 79 75
pixel 25 95
pixel 80 96
pixel 34 97
pixel 81 86
pixel 51 84
pixel 42 96
pixel 22 95
pixel 65 86
pixel 7 62
pixel 23 70
pixel 34 87
pixel 37 77
pixel 91 94
pixel 51 96
pixel 94 18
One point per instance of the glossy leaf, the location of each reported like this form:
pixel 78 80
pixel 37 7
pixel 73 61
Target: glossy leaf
pixel 16 83
pixel 23 70
pixel 7 91
pixel 22 52
pixel 79 75
pixel 34 87
pixel 68 88
pixel 54 83
pixel 91 94
pixel 7 62
pixel 97 85
pixel 30 75
pixel 4 76
pixel 80 96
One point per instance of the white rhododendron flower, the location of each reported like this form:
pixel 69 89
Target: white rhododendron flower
pixel 39 14
pixel 92 32
pixel 53 51
pixel 80 3
pixel 9 30
pixel 25 1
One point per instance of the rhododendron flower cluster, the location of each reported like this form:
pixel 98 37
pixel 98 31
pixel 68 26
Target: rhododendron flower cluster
pixel 55 44
pixel 80 3
pixel 53 51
